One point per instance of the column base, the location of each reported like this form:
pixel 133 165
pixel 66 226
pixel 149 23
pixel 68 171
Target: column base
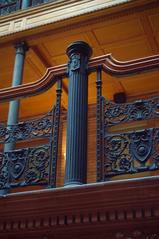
pixel 73 184
pixel 4 192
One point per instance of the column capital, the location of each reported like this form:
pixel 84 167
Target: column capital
pixel 79 47
pixel 78 52
pixel 21 47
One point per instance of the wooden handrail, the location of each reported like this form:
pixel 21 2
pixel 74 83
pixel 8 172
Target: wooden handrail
pixel 109 64
pixel 35 88
pixel 114 67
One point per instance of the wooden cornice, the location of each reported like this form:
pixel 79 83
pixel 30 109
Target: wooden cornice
pixel 106 62
pixel 89 211
pixel 52 12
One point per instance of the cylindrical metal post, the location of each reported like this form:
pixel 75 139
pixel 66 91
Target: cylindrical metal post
pixel 76 150
pixel 25 4
pixel 13 112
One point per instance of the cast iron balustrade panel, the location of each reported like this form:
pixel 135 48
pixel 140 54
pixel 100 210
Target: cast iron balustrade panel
pixel 29 129
pixel 9 6
pixel 115 114
pixel 38 2
pixel 27 166
pixel 23 167
pixel 126 152
pixel 31 165
pixel 131 152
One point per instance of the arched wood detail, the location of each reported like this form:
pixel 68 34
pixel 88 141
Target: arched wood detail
pixel 109 64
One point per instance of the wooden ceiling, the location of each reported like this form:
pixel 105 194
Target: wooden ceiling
pixel 127 36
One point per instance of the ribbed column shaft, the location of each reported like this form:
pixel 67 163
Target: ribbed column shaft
pixel 17 80
pixel 76 149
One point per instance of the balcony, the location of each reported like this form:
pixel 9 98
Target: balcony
pixel 7 7
pixel 127 139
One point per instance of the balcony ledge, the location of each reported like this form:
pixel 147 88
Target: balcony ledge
pixel 107 207
pixel 55 14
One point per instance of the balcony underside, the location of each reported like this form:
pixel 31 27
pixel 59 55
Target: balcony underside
pixel 123 209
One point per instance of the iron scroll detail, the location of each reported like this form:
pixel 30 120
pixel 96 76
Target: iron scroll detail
pixel 24 167
pixel 131 152
pixel 126 152
pixel 33 165
pixel 28 129
pixel 115 114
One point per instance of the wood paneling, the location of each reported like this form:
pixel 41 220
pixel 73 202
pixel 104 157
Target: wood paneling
pixel 118 32
pixel 154 20
pixel 100 211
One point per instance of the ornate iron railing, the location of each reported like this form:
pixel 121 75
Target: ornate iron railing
pixel 121 150
pixel 117 153
pixel 9 6
pixel 32 165
pixel 38 2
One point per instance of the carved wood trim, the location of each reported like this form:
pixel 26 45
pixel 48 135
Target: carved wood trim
pixel 107 62
pixel 112 66
pixel 53 12
pixel 34 88
pixel 104 208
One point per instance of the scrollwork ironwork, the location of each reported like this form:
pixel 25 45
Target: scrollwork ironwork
pixel 37 2
pixel 29 129
pixel 9 6
pixel 131 152
pixel 31 166
pixel 138 110
pixel 4 175
pixel 23 167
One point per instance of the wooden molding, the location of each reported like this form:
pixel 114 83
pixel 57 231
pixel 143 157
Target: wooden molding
pixel 63 13
pixel 50 13
pixel 96 209
pixel 106 62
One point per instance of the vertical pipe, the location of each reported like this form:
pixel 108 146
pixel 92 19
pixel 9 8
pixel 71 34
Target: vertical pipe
pixel 25 4
pixel 13 112
pixel 76 149
pixel 55 134
pixel 99 144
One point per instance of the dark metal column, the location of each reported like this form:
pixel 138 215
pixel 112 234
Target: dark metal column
pixel 13 113
pixel 76 149
pixel 25 4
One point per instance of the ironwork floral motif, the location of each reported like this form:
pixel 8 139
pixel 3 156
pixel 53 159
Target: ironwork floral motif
pixel 30 129
pixel 3 172
pixel 131 152
pixel 37 2
pixel 38 165
pixel 24 167
pixel 31 166
pixel 139 110
pixel 5 2
pixel 9 6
